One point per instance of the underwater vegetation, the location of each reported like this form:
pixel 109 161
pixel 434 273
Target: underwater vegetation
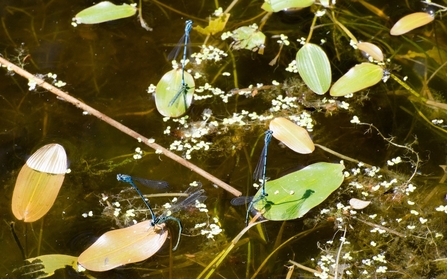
pixel 277 139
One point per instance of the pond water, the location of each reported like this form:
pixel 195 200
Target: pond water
pixel 110 66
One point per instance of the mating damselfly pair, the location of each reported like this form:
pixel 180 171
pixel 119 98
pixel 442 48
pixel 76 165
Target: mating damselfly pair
pixel 194 195
pixel 184 41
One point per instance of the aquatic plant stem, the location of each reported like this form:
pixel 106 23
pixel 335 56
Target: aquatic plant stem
pixel 68 98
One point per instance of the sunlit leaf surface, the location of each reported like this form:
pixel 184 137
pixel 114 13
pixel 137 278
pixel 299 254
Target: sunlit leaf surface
pixel 46 265
pixel 168 87
pixel 279 5
pixel 104 11
pixel 215 26
pixel 124 246
pixel 293 136
pixel 371 49
pixel 314 68
pixel 248 37
pixel 293 195
pixel 411 22
pixel 359 77
pixel 39 182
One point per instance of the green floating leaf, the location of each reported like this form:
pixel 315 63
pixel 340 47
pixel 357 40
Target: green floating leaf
pixel 104 11
pixel 314 68
pixel 279 5
pixel 293 195
pixel 168 87
pixel 359 77
pixel 248 37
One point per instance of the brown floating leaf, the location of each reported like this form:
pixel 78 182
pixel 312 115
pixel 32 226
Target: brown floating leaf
pixel 293 136
pixel 124 246
pixel 39 182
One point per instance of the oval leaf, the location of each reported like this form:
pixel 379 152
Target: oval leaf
pixel 293 136
pixel 293 195
pixel 124 246
pixel 279 5
pixel 359 77
pixel 314 68
pixel 39 182
pixel 104 11
pixel 167 89
pixel 410 22
pixel 371 50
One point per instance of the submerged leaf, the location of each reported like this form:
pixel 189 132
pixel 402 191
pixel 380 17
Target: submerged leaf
pixel 124 246
pixel 293 136
pixel 104 11
pixel 359 77
pixel 39 182
pixel 168 87
pixel 293 195
pixel 411 22
pixel 314 68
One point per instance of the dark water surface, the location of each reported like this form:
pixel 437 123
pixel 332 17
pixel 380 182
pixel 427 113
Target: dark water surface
pixel 109 66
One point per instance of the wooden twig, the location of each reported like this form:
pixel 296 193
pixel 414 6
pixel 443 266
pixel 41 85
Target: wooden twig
pixel 67 97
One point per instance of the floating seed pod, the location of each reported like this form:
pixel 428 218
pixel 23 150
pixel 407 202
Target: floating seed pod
pixel 38 183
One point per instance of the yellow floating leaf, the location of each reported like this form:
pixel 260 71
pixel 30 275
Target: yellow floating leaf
pixel 410 22
pixel 293 136
pixel 124 246
pixel 39 182
pixel 215 25
pixel 359 77
pixel 52 262
pixel 372 50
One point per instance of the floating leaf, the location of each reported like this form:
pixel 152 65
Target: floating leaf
pixel 248 37
pixel 124 246
pixel 371 50
pixel 293 136
pixel 359 77
pixel 358 204
pixel 50 263
pixel 168 87
pixel 104 11
pixel 279 5
pixel 39 182
pixel 410 22
pixel 293 195
pixel 314 68
pixel 215 25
